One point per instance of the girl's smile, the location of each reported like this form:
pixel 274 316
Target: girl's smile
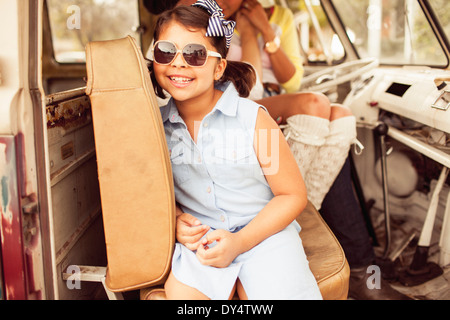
pixel 183 82
pixel 180 81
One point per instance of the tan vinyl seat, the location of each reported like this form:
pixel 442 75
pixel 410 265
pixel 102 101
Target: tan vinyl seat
pixel 325 255
pixel 134 171
pixel 136 181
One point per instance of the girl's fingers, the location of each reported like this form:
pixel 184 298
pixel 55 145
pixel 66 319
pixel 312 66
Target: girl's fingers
pixel 192 236
pixel 188 219
pixel 199 231
pixel 207 256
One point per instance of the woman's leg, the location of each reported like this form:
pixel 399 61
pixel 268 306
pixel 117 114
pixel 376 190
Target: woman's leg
pixel 286 105
pixel 339 111
pixel 331 155
pixel 307 117
pixel 319 135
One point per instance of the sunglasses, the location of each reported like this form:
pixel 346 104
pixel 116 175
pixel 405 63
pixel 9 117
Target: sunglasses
pixel 195 55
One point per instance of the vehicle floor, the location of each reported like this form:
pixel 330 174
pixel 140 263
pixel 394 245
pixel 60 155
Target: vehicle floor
pixel 407 231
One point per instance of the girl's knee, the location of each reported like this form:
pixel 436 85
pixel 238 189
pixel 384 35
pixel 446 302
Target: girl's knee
pixel 240 291
pixel 176 290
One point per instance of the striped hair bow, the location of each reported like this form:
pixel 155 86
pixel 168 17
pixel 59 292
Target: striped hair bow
pixel 217 26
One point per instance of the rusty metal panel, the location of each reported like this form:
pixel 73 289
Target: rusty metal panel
pixel 77 233
pixel 69 114
pixel 11 224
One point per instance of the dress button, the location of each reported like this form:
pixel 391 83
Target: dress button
pixel 205 125
pixel 208 190
pixel 222 218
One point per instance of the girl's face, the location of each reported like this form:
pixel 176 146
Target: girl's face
pixel 180 80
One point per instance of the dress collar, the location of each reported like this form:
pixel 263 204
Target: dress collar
pixel 227 104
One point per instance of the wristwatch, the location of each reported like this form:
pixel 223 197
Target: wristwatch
pixel 273 46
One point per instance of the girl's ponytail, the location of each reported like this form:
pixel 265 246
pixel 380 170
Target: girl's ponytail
pixel 242 75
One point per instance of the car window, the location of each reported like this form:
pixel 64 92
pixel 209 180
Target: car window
pixel 442 10
pixel 396 32
pixel 318 40
pixel 74 23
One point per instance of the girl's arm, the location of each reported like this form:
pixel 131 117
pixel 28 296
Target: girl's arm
pixel 285 180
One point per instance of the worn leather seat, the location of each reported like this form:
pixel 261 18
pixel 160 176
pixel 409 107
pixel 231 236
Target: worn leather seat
pixel 325 255
pixel 136 181
pixel 134 170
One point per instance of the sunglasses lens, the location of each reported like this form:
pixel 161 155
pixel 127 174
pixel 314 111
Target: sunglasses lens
pixel 164 52
pixel 195 54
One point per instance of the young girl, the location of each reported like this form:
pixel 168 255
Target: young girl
pixel 232 167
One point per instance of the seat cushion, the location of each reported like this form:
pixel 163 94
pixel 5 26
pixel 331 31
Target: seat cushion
pixel 325 255
pixel 134 170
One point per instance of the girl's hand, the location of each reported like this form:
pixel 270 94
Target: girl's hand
pixel 189 231
pixel 227 248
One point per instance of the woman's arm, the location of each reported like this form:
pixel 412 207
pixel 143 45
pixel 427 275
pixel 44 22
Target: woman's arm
pixel 290 44
pixel 283 68
pixel 249 43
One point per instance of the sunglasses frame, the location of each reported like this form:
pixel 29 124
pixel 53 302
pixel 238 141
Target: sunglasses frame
pixel 208 53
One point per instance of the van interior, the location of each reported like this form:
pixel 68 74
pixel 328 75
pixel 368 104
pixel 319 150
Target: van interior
pixel 392 71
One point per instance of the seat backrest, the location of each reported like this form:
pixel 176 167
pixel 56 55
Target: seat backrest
pixel 135 176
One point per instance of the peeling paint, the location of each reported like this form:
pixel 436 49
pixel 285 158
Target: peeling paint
pixel 5 198
pixel 10 226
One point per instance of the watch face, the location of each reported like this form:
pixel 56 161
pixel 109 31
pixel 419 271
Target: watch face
pixel 272 46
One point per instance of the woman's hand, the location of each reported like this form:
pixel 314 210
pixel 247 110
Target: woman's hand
pixel 257 16
pixel 226 249
pixel 189 231
pixel 249 43
pixel 243 24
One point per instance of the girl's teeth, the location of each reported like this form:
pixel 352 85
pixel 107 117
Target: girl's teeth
pixel 178 79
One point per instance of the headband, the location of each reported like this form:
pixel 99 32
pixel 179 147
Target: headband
pixel 217 26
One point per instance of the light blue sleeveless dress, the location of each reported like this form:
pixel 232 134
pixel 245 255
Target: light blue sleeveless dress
pixel 220 182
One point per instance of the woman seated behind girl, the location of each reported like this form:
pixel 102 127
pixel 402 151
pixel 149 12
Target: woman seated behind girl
pixel 233 169
pixel 319 133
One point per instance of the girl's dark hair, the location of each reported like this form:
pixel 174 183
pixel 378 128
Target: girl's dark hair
pixel 241 74
pixel 158 7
